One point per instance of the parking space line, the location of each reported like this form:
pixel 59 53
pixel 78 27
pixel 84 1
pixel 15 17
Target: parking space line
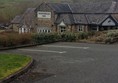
pixel 74 47
pixel 49 51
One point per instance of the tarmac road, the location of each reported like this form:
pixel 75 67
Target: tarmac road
pixel 71 63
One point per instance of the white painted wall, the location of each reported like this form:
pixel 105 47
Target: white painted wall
pixel 62 24
pixel 20 30
pixel 108 22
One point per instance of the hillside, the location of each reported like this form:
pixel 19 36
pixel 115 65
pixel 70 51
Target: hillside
pixel 93 0
pixel 10 8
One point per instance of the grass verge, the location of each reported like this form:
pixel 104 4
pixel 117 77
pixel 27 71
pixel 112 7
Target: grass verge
pixel 11 63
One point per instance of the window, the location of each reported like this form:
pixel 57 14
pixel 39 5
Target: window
pixel 62 29
pixel 43 31
pixel 80 28
pixel 49 31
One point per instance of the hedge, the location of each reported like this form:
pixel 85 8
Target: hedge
pixel 15 39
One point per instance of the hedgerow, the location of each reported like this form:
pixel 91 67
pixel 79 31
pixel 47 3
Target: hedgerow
pixel 15 39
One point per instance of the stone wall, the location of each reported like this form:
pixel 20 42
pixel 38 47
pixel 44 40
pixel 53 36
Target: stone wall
pixel 45 22
pixel 15 27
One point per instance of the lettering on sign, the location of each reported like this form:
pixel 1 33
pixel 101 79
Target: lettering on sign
pixel 44 14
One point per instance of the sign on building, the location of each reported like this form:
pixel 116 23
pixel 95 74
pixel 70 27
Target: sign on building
pixel 41 14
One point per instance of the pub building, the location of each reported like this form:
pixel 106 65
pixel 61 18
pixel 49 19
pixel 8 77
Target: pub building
pixel 68 17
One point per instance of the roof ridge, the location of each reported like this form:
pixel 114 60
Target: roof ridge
pixel 70 7
pixel 104 18
pixel 87 19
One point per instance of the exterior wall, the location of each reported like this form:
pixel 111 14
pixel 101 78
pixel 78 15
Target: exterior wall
pixel 85 28
pixel 15 27
pixel 45 22
pixel 22 29
pixel 74 29
pixel 68 28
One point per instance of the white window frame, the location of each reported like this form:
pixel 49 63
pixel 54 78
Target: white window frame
pixel 80 28
pixel 44 31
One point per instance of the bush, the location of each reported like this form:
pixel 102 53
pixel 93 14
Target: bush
pixel 82 35
pixel 99 39
pixel 112 34
pixel 13 39
pixel 68 37
pixel 111 37
pixel 45 37
pixel 110 40
pixel 92 33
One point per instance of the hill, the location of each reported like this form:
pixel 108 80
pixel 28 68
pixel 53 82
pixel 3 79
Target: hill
pixel 10 8
pixel 93 0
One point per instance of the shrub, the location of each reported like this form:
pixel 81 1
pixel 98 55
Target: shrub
pixel 92 33
pixel 111 37
pixel 13 39
pixel 110 40
pixel 99 39
pixel 82 35
pixel 45 37
pixel 112 34
pixel 68 37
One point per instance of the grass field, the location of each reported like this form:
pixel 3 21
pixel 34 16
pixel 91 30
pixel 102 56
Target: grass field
pixel 10 63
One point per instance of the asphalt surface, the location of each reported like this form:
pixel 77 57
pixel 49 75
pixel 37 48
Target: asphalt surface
pixel 71 63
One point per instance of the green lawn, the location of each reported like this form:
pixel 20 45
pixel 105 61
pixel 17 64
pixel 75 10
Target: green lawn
pixel 11 63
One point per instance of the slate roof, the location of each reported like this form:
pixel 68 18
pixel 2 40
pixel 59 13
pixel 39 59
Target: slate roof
pixel 96 18
pixel 84 13
pixel 26 18
pixel 115 16
pixel 86 19
pixel 80 19
pixel 66 18
pixel 88 7
pixel 60 8
pixel 16 20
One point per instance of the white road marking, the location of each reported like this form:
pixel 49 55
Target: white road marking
pixel 61 52
pixel 66 46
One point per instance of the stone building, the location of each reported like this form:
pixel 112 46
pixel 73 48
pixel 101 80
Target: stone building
pixel 24 23
pixel 72 17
